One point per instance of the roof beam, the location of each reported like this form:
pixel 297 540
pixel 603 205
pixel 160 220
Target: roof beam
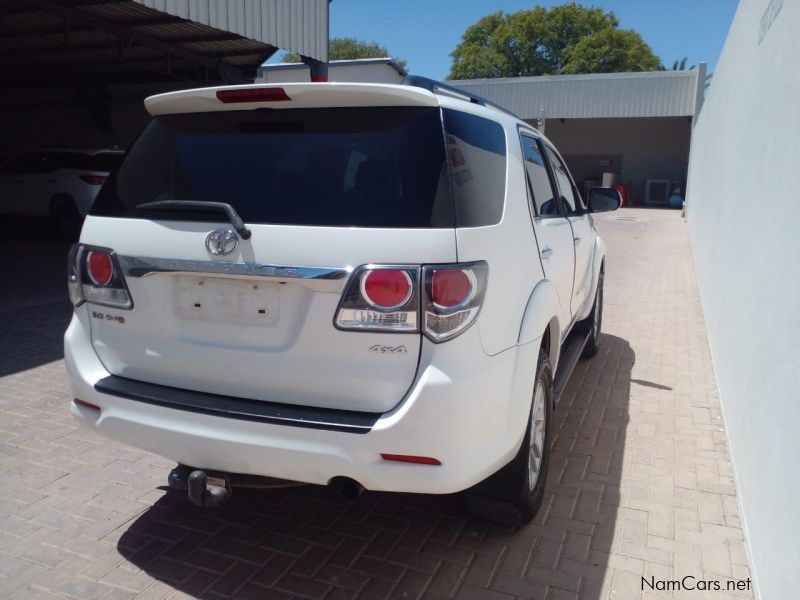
pixel 151 22
pixel 123 32
pixel 61 47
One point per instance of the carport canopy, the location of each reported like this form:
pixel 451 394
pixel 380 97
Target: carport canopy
pixel 46 44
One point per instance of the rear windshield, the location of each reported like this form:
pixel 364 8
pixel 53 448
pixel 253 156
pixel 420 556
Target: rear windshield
pixel 364 167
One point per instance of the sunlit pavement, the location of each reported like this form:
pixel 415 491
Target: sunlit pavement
pixel 640 483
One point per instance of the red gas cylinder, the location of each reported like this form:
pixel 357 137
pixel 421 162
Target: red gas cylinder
pixel 623 191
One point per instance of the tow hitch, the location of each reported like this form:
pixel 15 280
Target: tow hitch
pixel 205 489
pixel 212 488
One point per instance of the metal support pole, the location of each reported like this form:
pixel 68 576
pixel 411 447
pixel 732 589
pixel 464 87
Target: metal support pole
pixel 319 69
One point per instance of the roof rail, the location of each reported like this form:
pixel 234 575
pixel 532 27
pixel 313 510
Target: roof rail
pixel 432 86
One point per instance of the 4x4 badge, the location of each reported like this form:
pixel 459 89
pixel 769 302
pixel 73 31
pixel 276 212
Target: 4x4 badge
pixel 379 349
pixel 221 242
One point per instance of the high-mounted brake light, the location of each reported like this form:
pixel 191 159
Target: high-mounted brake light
pixel 256 94
pixel 94 179
pixel 93 275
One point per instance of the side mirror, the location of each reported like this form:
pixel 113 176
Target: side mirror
pixel 604 199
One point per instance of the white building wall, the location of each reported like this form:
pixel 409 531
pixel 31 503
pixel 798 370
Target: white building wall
pixel 369 72
pixel 744 218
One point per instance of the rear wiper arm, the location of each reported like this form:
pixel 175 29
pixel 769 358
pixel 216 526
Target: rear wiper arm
pixel 202 205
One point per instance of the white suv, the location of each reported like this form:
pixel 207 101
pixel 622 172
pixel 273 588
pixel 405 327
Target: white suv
pixel 59 183
pixel 359 285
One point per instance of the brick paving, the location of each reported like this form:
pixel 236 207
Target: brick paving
pixel 640 483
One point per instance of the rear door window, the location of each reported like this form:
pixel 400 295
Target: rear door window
pixel 476 150
pixel 570 201
pixel 538 178
pixel 364 167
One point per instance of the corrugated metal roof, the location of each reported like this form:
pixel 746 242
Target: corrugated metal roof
pixel 300 26
pixel 602 95
pixel 94 43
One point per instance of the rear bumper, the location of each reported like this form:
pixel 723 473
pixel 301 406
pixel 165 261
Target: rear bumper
pixel 466 409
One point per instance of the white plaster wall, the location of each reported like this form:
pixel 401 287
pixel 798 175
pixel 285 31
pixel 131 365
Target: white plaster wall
pixel 744 218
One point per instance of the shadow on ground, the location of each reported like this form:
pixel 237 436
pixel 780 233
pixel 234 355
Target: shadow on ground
pixel 34 308
pixel 307 541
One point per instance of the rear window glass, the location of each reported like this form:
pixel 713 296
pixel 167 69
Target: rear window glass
pixel 476 150
pixel 365 167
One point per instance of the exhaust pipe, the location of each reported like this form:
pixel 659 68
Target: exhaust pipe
pixel 350 489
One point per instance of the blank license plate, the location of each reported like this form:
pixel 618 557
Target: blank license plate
pixel 222 300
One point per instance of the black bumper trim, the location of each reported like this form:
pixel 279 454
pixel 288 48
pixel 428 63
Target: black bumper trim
pixel 244 409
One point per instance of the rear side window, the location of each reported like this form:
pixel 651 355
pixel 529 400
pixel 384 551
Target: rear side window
pixel 476 151
pixel 568 195
pixel 538 179
pixel 363 167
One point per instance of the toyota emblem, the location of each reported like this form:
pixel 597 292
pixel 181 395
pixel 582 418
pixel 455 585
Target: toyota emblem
pixel 221 242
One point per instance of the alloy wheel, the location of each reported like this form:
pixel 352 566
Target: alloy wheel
pixel 537 441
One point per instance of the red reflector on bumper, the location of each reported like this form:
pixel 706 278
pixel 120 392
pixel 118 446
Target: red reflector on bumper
pixel 252 95
pixel 86 404
pixel 419 460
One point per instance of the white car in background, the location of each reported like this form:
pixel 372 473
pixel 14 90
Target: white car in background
pixel 58 183
pixel 356 285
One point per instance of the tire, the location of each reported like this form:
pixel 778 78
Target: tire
pixel 66 217
pixel 513 495
pixel 594 322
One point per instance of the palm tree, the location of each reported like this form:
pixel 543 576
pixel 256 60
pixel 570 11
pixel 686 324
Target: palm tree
pixel 678 65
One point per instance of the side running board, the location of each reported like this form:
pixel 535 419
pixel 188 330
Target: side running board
pixel 571 351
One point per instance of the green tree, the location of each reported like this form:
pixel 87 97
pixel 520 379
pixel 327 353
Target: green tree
pixel 349 49
pixel 543 42
pixel 611 51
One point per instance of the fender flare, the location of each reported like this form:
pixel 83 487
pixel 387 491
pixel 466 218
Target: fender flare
pixel 599 259
pixel 541 311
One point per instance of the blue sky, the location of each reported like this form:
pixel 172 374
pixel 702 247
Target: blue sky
pixel 425 32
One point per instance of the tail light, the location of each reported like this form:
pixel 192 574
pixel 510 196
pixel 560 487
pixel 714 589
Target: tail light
pixel 93 275
pixel 94 179
pixel 392 297
pixel 453 295
pixel 74 286
pixel 381 298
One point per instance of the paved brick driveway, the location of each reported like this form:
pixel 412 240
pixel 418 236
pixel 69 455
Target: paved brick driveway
pixel 640 482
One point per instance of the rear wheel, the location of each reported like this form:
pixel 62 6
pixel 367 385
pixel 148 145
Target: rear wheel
pixel 66 217
pixel 594 322
pixel 513 495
